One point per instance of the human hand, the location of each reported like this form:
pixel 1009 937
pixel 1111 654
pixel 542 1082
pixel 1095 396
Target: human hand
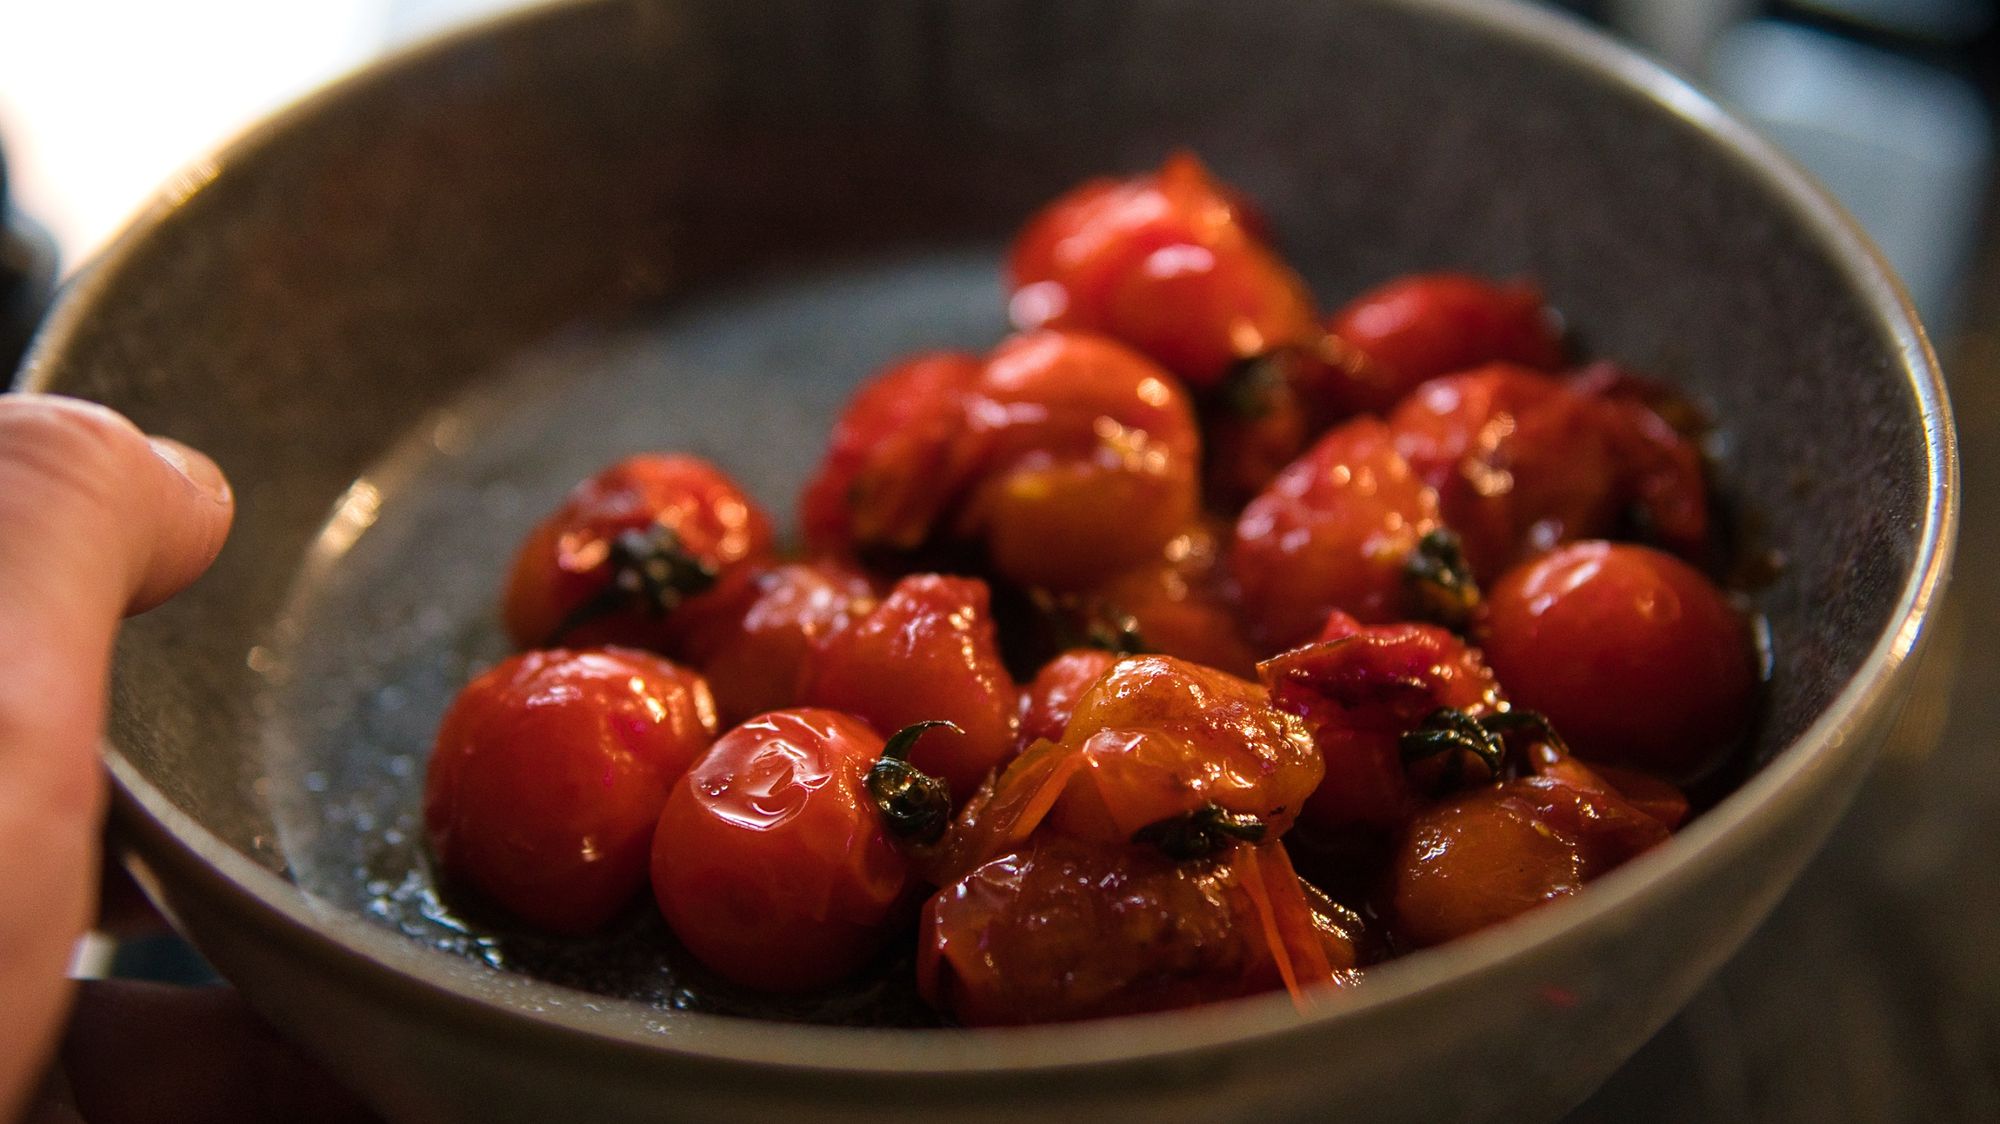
pixel 97 521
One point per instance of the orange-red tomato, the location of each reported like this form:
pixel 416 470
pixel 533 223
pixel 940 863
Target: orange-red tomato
pixel 771 861
pixel 1050 698
pixel 753 657
pixel 1155 745
pixel 1178 606
pixel 928 651
pixel 1634 656
pixel 1062 929
pixel 1333 531
pixel 549 773
pixel 1359 689
pixel 1494 852
pixel 898 455
pixel 1168 263
pixel 632 553
pixel 1425 325
pixel 1089 460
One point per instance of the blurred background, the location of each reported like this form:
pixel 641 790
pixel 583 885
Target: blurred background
pixel 1872 994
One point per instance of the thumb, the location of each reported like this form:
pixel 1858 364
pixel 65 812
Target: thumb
pixel 95 520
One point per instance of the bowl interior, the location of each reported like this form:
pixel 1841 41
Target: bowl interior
pixel 412 312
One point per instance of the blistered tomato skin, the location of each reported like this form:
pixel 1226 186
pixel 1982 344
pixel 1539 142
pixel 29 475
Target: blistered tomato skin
pixel 755 657
pixel 898 455
pixel 1063 929
pixel 1170 263
pixel 928 651
pixel 1425 325
pixel 549 773
pixel 1523 463
pixel 1155 742
pixel 1333 531
pixel 695 530
pixel 771 862
pixel 1090 460
pixel 1634 656
pixel 1359 689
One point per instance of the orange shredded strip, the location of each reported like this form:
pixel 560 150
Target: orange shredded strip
pixel 1260 897
pixel 1288 901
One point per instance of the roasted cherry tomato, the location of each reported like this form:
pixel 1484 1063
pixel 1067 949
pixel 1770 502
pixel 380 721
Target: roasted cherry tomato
pixel 549 773
pixel 1425 325
pixel 1360 690
pixel 1265 414
pixel 928 651
pixel 1048 701
pixel 1065 457
pixel 632 553
pixel 1634 656
pixel 774 861
pixel 1335 530
pixel 1174 606
pixel 1524 462
pixel 1062 929
pixel 754 657
pixel 1090 460
pixel 898 455
pixel 1167 263
pixel 1494 852
pixel 1160 751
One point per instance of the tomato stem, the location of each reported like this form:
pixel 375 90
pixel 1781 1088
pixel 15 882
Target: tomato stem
pixel 1249 389
pixel 1453 733
pixel 1440 580
pixel 914 804
pixel 1201 833
pixel 1456 733
pixel 650 571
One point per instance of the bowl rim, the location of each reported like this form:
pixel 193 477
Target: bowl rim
pixel 483 1000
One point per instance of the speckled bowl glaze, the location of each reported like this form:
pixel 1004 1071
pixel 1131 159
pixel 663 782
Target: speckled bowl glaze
pixel 406 314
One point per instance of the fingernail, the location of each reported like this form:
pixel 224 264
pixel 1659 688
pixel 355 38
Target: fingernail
pixel 199 470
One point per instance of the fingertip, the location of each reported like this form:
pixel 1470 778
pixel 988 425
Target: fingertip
pixel 77 477
pixel 196 468
pixel 196 516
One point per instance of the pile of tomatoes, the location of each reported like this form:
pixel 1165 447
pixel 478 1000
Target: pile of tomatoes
pixel 1185 646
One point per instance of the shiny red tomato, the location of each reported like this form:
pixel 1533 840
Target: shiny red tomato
pixel 898 455
pixel 1425 325
pixel 1157 749
pixel 755 656
pixel 1062 930
pixel 1090 460
pixel 773 862
pixel 1359 690
pixel 928 651
pixel 1634 656
pixel 1335 530
pixel 632 553
pixel 548 775
pixel 1168 263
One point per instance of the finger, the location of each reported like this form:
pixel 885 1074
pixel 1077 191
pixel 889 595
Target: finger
pixel 94 520
pixel 139 1053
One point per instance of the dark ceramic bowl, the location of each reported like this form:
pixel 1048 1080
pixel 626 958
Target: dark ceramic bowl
pixel 405 315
